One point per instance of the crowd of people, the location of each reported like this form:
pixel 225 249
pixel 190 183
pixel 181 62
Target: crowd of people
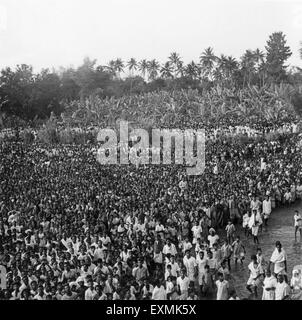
pixel 72 229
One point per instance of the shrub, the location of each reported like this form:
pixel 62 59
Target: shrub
pixel 27 136
pixel 48 134
pixel 66 136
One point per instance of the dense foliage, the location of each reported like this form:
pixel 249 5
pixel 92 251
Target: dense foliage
pixel 258 81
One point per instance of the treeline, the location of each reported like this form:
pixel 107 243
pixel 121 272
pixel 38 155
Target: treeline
pixel 30 95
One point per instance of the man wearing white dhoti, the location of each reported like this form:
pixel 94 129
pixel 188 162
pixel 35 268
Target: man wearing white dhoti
pixel 254 224
pixel 266 209
pixel 279 259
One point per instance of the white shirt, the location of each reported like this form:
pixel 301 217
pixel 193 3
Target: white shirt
pixel 196 232
pixel 90 294
pixel 213 239
pixel 159 293
pixel 267 206
pixel 170 249
pixel 174 268
pixel 183 284
pixel 298 220
pixel 282 290
pixel 222 290
pixel 190 265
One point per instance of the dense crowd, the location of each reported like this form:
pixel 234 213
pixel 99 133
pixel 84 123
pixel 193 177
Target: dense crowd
pixel 73 229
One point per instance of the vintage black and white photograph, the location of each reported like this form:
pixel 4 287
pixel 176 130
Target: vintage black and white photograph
pixel 150 151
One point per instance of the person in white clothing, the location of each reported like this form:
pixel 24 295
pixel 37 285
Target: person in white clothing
pixel 196 230
pixel 254 224
pixel 191 266
pixel 174 266
pixel 201 262
pixel 90 293
pixel 169 248
pixel 269 286
pixel 159 292
pixel 222 288
pixel 279 259
pixel 212 237
pixel 183 284
pixel 298 224
pixel 255 275
pixel 266 209
pixel 282 289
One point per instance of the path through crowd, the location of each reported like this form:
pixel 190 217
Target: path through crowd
pixel 280 227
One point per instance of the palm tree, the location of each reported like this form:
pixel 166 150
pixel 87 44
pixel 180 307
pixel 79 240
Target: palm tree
pixel 218 73
pixel 143 67
pixel 180 68
pixel 220 70
pixel 259 56
pixel 231 65
pixel 228 66
pixel 153 67
pixel 191 70
pixel 207 62
pixel 175 60
pixel 248 66
pixel 111 67
pixel 260 64
pixel 119 66
pixel 132 65
pixel 167 70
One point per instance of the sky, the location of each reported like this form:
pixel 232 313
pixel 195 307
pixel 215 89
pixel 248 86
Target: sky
pixel 53 33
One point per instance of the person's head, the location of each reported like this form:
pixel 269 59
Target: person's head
pixel 268 273
pixel 25 294
pixel 34 285
pixel 40 290
pixel 296 273
pixel 201 255
pixel 182 273
pixel 220 276
pixel 278 245
pixel 254 258
pixel 188 253
pixel 140 263
pixel 280 278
